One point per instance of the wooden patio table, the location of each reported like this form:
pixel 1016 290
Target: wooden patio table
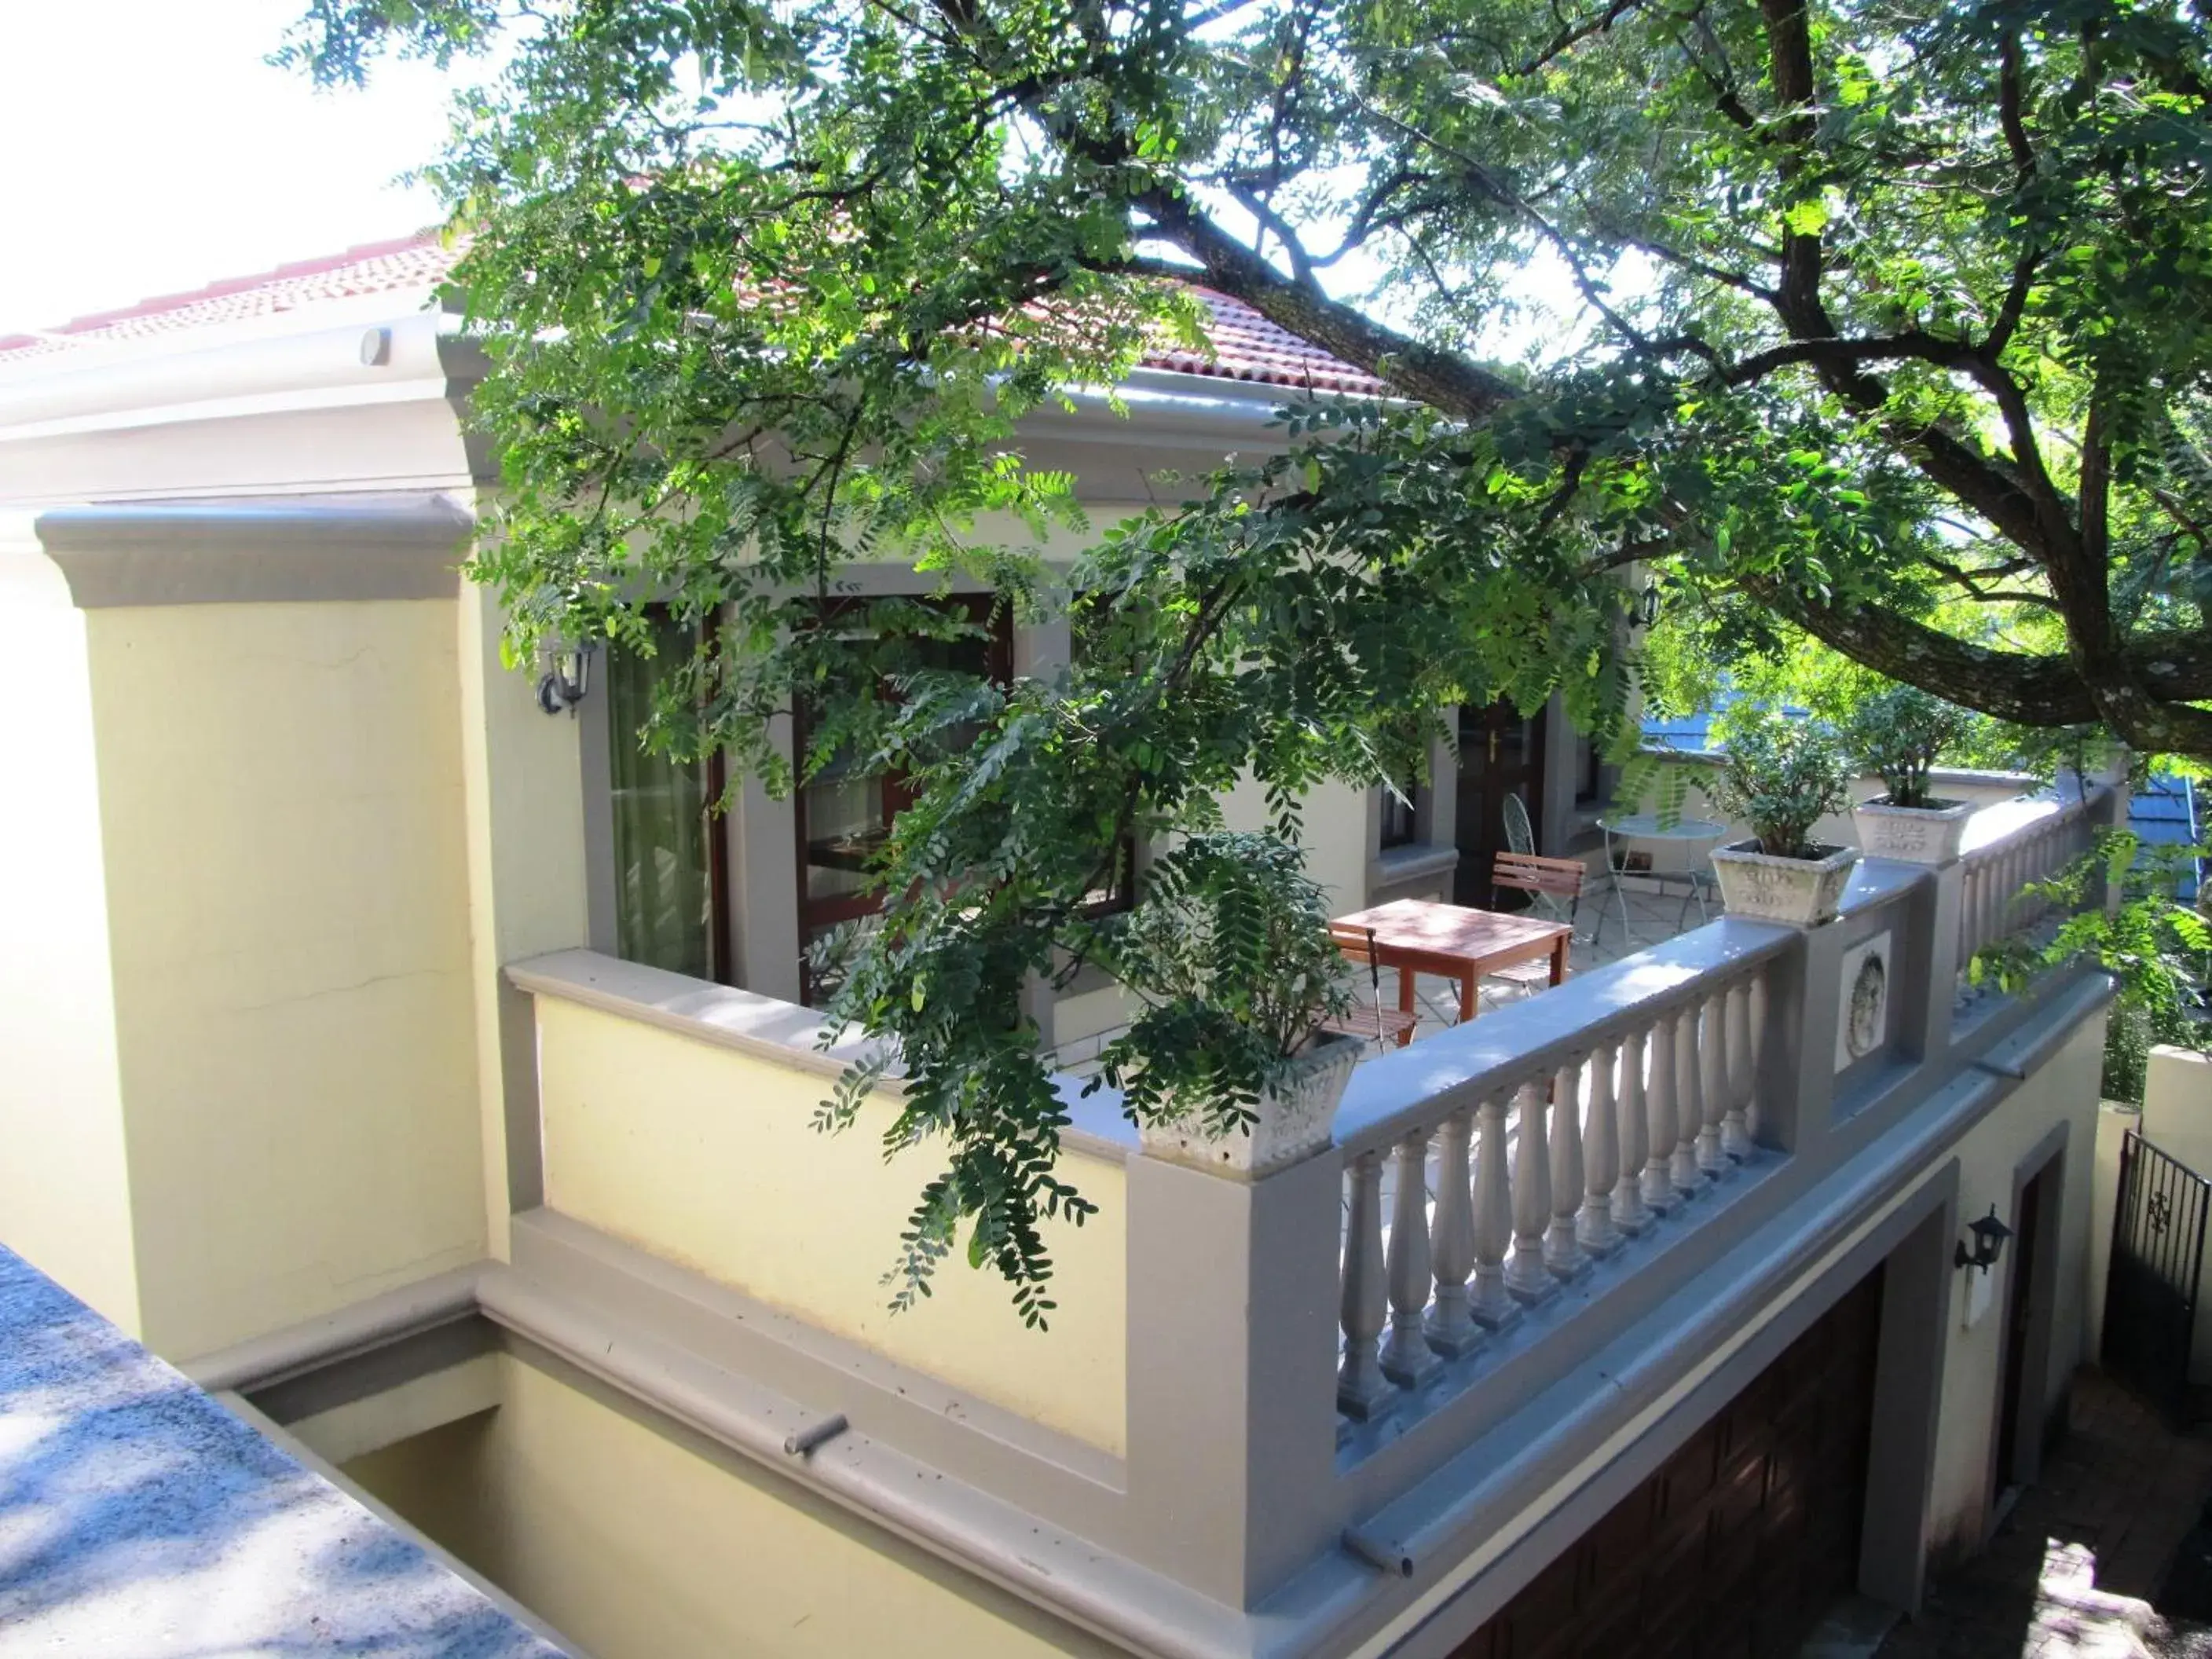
pixel 1453 941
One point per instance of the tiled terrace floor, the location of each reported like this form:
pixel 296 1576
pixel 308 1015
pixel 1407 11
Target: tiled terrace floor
pixel 2080 1565
pixel 1652 920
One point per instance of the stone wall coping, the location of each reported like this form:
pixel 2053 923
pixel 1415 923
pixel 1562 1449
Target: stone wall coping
pixel 783 1034
pixel 1460 1066
pixel 149 1521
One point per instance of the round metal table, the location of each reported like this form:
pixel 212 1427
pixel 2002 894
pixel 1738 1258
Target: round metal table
pixel 1648 827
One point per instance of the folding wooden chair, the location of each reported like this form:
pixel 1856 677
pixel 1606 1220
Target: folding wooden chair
pixel 1555 889
pixel 1373 1022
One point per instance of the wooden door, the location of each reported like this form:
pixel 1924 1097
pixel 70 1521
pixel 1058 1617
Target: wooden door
pixel 1501 753
pixel 2020 1313
pixel 1742 1539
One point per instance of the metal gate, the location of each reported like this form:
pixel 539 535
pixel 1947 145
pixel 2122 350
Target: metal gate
pixel 2158 1259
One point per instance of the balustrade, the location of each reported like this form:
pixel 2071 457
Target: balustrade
pixel 1571 1157
pixel 1992 877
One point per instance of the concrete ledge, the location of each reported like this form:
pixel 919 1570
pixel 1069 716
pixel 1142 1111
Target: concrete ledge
pixel 360 1327
pixel 781 1033
pixel 144 1519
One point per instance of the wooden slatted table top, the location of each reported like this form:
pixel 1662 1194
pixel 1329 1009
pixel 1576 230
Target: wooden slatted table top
pixel 1421 926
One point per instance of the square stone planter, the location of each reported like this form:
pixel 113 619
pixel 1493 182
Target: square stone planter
pixel 1293 1124
pixel 1913 835
pixel 1802 892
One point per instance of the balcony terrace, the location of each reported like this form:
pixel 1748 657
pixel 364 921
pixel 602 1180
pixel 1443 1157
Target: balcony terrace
pixel 1272 1400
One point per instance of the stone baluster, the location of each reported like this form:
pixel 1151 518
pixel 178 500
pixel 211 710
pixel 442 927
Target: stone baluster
pixel 1659 1194
pixel 1630 1214
pixel 1408 1359
pixel 1713 1160
pixel 1361 1387
pixel 1489 1300
pixel 1452 1329
pixel 1743 1080
pixel 1689 1104
pixel 1593 1227
pixel 1526 1275
pixel 1563 1250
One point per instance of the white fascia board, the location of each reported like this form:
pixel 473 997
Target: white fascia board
pixel 379 360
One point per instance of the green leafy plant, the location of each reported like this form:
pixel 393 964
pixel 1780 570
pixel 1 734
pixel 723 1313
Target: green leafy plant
pixel 1900 734
pixel 1230 952
pixel 2156 946
pixel 766 290
pixel 1782 776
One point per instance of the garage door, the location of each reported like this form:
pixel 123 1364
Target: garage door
pixel 1736 1546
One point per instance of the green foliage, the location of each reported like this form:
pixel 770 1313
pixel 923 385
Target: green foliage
pixel 1229 951
pixel 1901 734
pixel 1782 776
pixel 2158 948
pixel 1888 328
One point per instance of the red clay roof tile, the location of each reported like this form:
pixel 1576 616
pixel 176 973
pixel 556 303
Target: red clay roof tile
pixel 1246 346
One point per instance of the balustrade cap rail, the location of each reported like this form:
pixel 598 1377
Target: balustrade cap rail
pixel 1411 1088
pixel 2005 824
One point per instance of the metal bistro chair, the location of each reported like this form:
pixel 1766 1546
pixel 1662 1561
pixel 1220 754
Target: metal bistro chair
pixel 1520 834
pixel 1554 887
pixel 1373 1022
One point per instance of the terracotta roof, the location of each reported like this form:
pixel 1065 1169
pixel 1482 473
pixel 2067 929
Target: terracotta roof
pixel 1247 346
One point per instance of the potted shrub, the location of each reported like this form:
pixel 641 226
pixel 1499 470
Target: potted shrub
pixel 1783 776
pixel 1900 734
pixel 1227 1068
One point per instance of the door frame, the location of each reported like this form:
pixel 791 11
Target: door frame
pixel 1540 764
pixel 2026 1399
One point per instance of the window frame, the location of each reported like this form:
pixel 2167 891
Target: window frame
pixel 817 915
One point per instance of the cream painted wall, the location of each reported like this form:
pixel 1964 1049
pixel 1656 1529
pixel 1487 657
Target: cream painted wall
pixel 1335 826
pixel 2178 1104
pixel 708 1156
pixel 523 784
pixel 288 901
pixel 65 1189
pixel 2063 1090
pixel 640 1542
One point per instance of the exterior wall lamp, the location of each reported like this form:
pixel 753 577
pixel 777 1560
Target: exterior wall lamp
pixel 1646 607
pixel 566 677
pixel 1989 1235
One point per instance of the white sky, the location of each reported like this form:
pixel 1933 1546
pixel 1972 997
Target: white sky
pixel 145 148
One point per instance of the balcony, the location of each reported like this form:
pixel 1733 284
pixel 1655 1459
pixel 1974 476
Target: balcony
pixel 1272 1399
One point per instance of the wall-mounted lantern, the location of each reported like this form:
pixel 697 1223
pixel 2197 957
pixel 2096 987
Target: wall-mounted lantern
pixel 566 677
pixel 1646 607
pixel 1989 1235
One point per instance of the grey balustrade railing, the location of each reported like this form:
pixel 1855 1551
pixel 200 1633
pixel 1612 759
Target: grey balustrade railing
pixel 1994 876
pixel 1508 1185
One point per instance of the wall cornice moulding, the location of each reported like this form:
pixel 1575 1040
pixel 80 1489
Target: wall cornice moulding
pixel 294 548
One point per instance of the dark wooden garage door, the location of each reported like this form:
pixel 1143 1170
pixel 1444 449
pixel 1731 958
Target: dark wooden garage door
pixel 1741 1543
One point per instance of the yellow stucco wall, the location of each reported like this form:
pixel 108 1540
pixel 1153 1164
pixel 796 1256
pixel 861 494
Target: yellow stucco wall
pixel 1335 836
pixel 707 1156
pixel 287 903
pixel 640 1542
pixel 64 1194
pixel 2064 1090
pixel 524 787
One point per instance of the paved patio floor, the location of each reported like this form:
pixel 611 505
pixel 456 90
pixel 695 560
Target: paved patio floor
pixel 2085 1563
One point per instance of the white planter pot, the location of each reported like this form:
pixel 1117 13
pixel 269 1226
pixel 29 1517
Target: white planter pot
pixel 1913 835
pixel 1293 1123
pixel 1802 892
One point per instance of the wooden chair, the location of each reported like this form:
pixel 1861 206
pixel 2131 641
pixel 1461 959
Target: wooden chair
pixel 1555 888
pixel 1372 1023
